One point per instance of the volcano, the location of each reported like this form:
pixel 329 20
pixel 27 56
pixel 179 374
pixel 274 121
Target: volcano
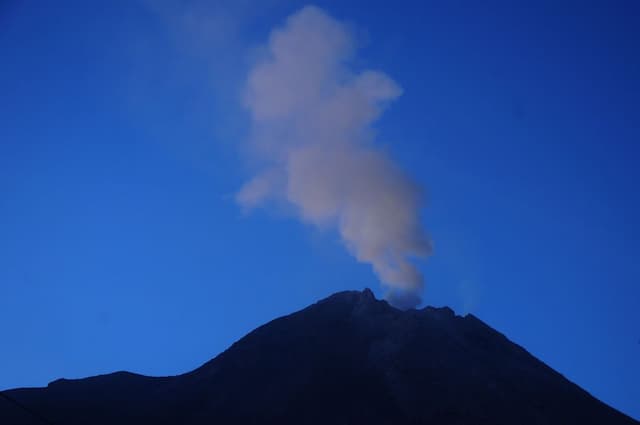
pixel 347 359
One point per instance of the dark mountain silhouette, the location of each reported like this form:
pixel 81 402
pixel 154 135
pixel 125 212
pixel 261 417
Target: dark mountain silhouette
pixel 348 359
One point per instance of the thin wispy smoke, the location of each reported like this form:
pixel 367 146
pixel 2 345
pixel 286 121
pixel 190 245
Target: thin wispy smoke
pixel 312 119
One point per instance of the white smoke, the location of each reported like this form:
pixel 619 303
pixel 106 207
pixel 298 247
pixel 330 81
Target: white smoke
pixel 311 128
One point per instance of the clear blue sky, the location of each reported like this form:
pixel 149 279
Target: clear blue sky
pixel 120 152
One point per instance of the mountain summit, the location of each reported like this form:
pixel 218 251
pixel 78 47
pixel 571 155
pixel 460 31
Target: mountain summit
pixel 347 359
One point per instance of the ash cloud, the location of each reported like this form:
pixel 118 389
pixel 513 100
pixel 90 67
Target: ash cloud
pixel 311 117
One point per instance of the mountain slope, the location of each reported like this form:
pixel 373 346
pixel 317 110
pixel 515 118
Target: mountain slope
pixel 346 359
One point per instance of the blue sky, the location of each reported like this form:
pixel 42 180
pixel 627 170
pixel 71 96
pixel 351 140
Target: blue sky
pixel 122 147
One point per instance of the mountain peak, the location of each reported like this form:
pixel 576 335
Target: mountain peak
pixel 366 295
pixel 348 358
pixel 352 300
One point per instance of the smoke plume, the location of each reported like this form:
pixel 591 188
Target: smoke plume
pixel 312 122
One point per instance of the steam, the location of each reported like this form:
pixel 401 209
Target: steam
pixel 312 122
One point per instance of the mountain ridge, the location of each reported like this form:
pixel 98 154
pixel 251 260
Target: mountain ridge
pixel 348 357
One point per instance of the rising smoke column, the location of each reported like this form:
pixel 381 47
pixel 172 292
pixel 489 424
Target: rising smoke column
pixel 311 129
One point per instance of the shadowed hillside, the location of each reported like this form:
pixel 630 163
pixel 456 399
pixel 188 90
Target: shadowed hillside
pixel 347 359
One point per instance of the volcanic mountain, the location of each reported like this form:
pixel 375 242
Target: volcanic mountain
pixel 348 359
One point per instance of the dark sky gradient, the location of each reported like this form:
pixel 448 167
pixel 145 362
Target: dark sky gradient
pixel 120 139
